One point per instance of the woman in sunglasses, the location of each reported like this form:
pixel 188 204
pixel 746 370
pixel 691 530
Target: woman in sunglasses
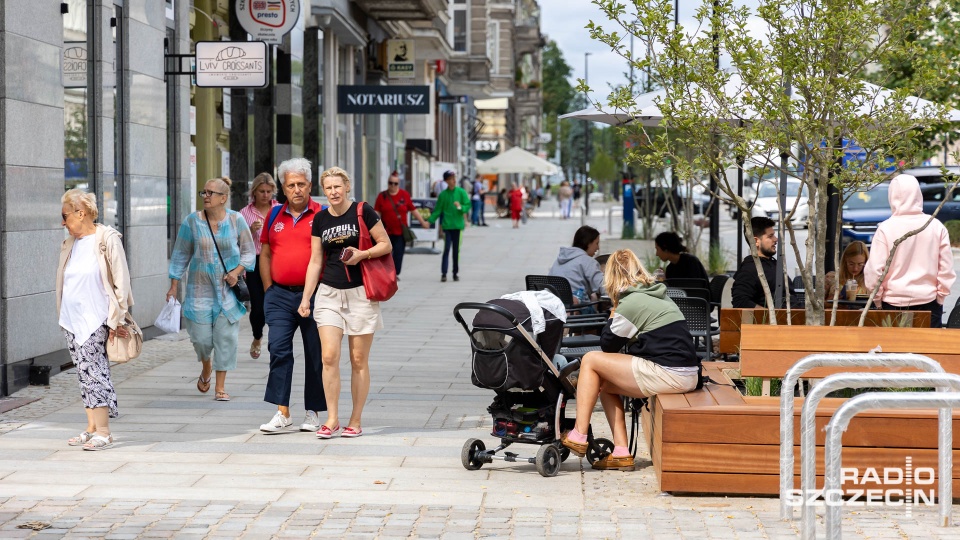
pixel 93 297
pixel 393 205
pixel 210 242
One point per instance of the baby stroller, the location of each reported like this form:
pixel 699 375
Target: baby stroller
pixel 531 389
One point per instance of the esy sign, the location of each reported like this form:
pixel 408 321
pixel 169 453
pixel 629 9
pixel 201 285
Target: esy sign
pixel 868 488
pixel 231 64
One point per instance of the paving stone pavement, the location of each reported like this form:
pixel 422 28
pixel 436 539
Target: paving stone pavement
pixel 186 466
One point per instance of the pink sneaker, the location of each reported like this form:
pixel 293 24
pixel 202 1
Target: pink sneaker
pixel 351 433
pixel 326 433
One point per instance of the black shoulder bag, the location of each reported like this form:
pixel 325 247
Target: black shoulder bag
pixel 240 289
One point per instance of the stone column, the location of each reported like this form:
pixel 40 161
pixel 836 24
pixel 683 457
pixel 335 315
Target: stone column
pixel 240 171
pixel 330 81
pixel 311 101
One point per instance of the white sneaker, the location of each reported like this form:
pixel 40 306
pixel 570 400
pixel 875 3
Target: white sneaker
pixel 277 424
pixel 311 422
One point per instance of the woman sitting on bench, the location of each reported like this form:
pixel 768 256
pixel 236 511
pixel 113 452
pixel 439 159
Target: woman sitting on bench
pixel 660 357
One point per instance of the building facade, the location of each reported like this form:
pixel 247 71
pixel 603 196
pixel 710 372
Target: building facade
pixel 97 94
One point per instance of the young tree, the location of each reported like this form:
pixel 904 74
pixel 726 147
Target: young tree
pixel 792 98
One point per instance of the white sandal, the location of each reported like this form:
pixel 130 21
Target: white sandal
pixel 81 439
pixel 99 442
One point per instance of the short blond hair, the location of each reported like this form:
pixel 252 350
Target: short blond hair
pixel 623 270
pixel 335 171
pixel 223 183
pixel 81 200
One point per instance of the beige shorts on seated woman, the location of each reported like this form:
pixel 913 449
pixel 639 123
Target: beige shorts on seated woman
pixel 347 309
pixel 653 379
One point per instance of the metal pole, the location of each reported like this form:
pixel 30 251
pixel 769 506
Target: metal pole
pixel 834 360
pixel 893 400
pixel 714 216
pixel 784 154
pixel 808 439
pixel 586 143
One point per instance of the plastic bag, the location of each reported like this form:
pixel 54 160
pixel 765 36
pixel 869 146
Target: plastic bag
pixel 169 318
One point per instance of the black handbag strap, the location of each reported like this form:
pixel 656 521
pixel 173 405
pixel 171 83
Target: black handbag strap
pixel 215 245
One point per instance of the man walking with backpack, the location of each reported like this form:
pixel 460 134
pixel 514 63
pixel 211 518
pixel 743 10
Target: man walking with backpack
pixel 286 240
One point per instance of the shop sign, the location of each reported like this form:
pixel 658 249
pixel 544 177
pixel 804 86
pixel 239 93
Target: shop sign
pixel 231 64
pixel 73 64
pixel 400 58
pixel 268 20
pixel 383 99
pixel 487 146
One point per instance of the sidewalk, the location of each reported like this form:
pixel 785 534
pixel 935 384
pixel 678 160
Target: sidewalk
pixel 186 466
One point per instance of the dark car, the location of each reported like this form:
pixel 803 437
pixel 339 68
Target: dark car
pixel 699 201
pixel 865 210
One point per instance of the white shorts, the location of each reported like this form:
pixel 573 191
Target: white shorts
pixel 347 309
pixel 653 379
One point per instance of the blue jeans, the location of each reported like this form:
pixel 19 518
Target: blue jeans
pixel 451 239
pixel 477 216
pixel 280 309
pixel 399 248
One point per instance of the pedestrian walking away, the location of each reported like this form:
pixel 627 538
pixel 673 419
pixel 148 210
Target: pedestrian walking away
pixel 393 205
pixel 341 306
pixel 93 298
pixel 262 200
pixel 452 207
pixel 565 195
pixel 516 205
pixel 921 272
pixel 476 200
pixel 209 243
pixel 283 269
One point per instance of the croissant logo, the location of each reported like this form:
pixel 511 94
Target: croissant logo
pixel 231 53
pixel 272 13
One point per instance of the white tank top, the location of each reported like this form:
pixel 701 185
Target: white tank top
pixel 84 306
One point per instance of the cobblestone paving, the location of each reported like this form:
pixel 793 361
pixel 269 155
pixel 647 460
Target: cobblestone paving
pixel 188 467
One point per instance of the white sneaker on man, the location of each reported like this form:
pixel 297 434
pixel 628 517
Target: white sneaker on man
pixel 277 424
pixel 311 421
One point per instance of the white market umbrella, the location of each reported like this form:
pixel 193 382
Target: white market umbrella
pixel 516 160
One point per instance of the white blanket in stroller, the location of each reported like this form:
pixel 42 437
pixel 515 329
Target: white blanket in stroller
pixel 536 302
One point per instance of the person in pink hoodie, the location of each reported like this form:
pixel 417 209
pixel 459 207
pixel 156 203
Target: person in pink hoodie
pixel 921 271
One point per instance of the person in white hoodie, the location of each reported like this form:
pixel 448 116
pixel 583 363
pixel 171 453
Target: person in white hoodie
pixel 921 271
pixel 577 264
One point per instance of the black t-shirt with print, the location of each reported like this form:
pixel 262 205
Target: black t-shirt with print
pixel 336 233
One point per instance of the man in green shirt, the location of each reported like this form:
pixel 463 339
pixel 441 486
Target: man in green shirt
pixel 452 206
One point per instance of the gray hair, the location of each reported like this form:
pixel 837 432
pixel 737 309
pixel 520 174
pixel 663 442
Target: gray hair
pixel 299 166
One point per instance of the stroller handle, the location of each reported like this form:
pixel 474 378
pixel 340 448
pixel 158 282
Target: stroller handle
pixel 481 306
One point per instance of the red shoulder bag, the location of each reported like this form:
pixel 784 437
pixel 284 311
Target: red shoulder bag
pixel 379 274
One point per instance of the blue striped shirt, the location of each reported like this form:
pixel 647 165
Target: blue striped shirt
pixel 195 261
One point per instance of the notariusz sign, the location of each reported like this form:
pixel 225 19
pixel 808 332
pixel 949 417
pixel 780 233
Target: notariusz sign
pixel 383 99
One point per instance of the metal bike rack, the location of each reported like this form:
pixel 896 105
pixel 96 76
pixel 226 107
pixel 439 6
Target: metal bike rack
pixel 808 419
pixel 887 400
pixel 829 360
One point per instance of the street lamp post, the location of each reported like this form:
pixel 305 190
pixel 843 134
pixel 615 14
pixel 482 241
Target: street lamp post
pixel 586 141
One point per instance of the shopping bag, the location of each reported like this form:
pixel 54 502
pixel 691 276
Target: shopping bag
pixel 169 318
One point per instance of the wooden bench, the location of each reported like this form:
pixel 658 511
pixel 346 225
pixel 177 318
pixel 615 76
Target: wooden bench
pixel 716 440
pixel 732 319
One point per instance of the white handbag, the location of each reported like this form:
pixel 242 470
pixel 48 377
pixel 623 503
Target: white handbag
pixel 169 318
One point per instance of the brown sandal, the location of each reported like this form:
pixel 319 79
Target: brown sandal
pixel 203 385
pixel 222 396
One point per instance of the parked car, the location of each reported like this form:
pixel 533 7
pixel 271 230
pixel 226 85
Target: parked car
pixel 768 195
pixel 865 209
pixel 659 207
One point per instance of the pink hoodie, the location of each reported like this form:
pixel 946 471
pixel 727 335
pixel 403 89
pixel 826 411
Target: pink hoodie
pixel 922 269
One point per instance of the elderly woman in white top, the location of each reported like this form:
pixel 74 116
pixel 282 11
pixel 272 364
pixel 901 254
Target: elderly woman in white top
pixel 93 297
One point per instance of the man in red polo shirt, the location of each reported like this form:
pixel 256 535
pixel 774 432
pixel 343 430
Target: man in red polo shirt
pixel 283 267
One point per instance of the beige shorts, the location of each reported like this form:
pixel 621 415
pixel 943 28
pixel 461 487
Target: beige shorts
pixel 347 309
pixel 653 379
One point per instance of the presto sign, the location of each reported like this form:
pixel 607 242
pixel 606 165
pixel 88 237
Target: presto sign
pixel 268 20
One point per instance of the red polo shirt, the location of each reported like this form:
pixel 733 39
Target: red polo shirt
pixel 289 240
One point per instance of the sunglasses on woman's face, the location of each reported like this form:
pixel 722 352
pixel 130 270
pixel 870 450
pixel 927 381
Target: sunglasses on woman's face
pixel 393 183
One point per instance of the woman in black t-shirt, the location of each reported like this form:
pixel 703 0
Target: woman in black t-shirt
pixel 341 305
pixel 683 265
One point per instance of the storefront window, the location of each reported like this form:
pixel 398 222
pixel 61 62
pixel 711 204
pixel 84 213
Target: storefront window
pixel 74 75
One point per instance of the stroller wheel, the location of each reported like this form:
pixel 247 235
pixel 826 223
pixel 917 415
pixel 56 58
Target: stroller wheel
pixel 548 460
pixel 469 455
pixel 599 449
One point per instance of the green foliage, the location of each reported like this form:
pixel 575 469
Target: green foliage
pixel 953 229
pixel 754 386
pixel 716 261
pixel 603 168
pixel 821 50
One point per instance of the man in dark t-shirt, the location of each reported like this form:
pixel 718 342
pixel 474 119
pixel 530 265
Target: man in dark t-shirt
pixel 747 291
